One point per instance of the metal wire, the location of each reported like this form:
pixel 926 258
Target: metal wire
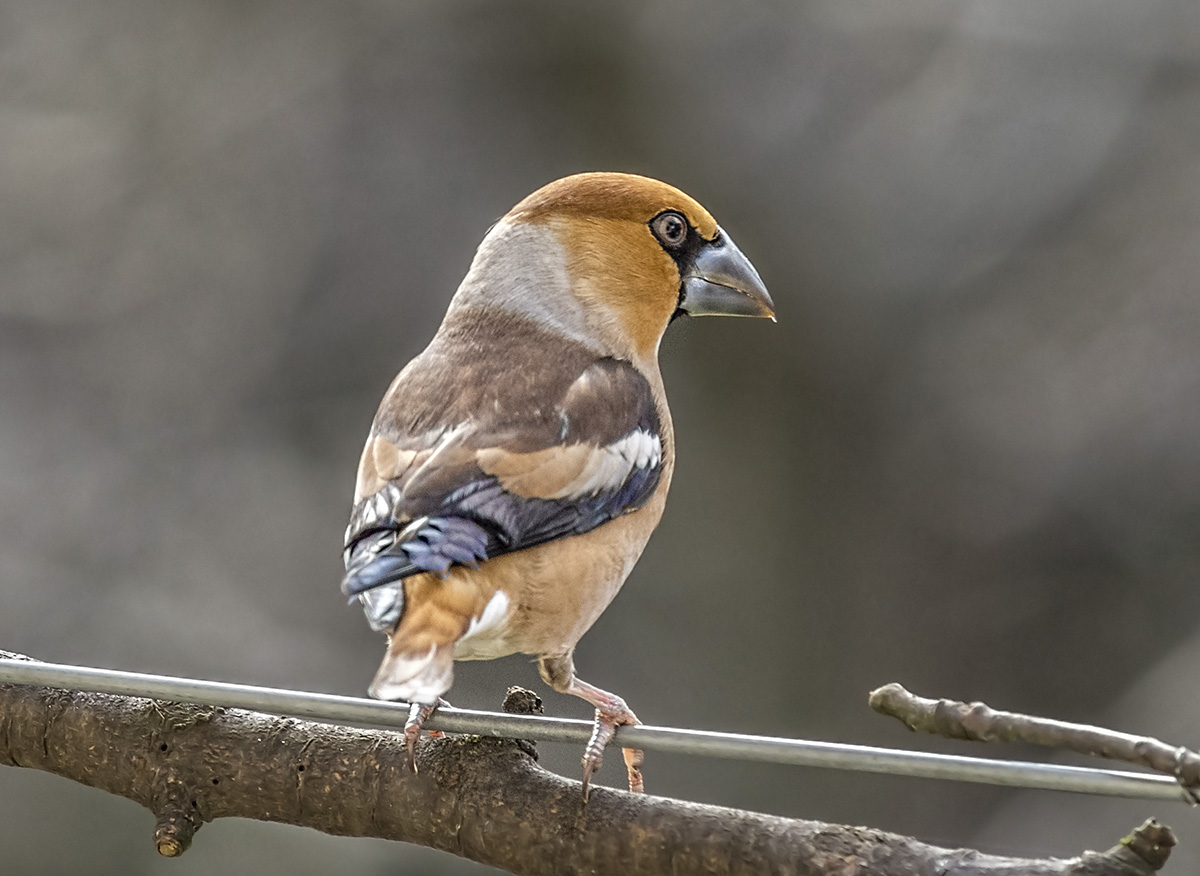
pixel 832 755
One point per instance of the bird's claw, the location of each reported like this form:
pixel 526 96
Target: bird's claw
pixel 608 719
pixel 633 765
pixel 417 716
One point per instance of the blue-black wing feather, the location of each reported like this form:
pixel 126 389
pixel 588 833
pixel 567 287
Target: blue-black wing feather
pixel 471 518
pixel 482 521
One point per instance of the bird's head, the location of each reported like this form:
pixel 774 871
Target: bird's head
pixel 610 258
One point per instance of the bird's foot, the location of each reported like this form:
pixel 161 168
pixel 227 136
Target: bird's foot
pixel 610 715
pixel 417 716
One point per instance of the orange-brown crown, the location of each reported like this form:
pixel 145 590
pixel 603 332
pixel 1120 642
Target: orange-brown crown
pixel 619 270
pixel 620 196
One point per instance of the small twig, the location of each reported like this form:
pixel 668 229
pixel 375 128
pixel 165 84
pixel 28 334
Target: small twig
pixel 981 723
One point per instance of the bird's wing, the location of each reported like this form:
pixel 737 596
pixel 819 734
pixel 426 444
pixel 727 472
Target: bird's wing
pixel 500 481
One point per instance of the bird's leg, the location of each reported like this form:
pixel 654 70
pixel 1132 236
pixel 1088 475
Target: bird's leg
pixel 418 714
pixel 611 712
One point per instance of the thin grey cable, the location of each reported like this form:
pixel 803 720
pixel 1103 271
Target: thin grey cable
pixel 799 752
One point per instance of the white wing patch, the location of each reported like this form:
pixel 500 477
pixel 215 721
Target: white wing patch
pixel 572 471
pixel 609 467
pixel 643 449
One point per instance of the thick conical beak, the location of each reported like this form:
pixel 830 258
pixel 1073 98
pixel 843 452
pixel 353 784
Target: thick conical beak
pixel 721 282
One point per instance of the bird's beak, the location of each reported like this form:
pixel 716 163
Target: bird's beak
pixel 721 282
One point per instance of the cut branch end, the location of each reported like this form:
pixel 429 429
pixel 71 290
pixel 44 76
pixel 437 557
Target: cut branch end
pixel 173 833
pixel 1152 843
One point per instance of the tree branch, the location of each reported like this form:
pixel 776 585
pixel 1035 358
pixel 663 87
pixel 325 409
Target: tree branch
pixel 483 799
pixel 981 723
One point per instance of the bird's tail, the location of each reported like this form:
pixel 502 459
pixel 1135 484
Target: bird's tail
pixel 439 613
pixel 414 677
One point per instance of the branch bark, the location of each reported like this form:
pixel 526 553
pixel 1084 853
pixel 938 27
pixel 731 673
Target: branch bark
pixel 483 799
pixel 979 722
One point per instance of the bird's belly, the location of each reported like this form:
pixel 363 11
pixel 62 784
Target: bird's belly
pixel 559 589
pixel 486 636
pixel 482 650
pixel 484 646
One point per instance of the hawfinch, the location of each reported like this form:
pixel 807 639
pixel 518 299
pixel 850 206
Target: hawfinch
pixel 516 467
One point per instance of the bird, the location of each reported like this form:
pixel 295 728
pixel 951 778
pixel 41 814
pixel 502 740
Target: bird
pixel 517 467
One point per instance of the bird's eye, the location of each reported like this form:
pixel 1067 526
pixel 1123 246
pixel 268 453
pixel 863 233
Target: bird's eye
pixel 670 228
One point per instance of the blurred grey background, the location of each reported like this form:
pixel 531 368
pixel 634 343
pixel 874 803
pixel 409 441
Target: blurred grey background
pixel 967 458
